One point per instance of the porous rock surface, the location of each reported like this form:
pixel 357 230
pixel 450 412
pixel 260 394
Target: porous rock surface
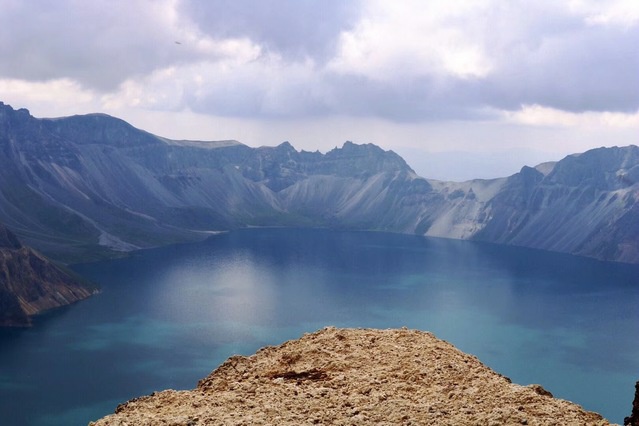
pixel 354 377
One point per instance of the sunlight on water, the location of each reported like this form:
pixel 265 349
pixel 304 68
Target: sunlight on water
pixel 166 318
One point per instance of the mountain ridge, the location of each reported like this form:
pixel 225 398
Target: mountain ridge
pixel 93 186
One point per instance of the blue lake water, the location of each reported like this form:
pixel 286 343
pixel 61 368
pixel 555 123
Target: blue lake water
pixel 167 317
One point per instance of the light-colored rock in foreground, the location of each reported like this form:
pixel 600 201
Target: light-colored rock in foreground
pixel 354 377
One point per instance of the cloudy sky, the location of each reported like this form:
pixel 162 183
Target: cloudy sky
pixel 459 88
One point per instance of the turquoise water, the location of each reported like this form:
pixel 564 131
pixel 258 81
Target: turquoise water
pixel 168 317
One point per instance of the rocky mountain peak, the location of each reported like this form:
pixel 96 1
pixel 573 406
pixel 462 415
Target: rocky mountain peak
pixel 100 129
pixel 598 168
pixel 365 160
pixel 8 115
pixel 6 108
pixel 285 146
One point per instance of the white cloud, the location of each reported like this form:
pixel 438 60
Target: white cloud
pixel 538 115
pixel 178 86
pixel 610 12
pixel 242 85
pixel 50 98
pixel 395 40
pixel 409 60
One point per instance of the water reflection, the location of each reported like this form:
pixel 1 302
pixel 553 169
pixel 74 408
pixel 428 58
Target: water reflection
pixel 167 317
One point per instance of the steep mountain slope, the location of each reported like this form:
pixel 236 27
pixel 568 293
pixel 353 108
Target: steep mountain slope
pixel 587 205
pixel 90 186
pixel 94 184
pixel 30 284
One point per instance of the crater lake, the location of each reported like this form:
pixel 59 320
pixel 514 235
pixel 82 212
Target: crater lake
pixel 167 317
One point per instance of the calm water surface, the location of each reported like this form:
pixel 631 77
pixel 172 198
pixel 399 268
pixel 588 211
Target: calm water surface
pixel 168 317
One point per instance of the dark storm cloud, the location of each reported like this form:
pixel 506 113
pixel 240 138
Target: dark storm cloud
pixel 283 61
pixel 595 69
pixel 99 43
pixel 102 43
pixel 539 55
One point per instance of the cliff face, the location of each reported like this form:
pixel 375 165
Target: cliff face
pixel 586 205
pixel 30 284
pixel 355 377
pixel 87 187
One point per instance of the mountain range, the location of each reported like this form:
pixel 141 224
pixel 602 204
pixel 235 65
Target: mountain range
pixel 93 186
pixel 90 187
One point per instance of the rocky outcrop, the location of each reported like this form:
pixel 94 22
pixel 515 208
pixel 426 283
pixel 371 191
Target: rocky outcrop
pixel 93 186
pixel 633 418
pixel 31 284
pixel 354 377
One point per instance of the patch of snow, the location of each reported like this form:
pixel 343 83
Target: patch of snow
pixel 114 243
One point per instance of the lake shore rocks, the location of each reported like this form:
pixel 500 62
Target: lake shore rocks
pixel 354 377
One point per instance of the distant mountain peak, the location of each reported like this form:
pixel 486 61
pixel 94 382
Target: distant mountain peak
pixel 8 109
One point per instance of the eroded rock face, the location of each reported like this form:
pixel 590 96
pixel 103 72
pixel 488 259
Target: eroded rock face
pixel 355 376
pixel 31 284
